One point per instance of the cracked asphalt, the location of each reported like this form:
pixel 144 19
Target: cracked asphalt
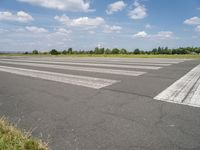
pixel 123 116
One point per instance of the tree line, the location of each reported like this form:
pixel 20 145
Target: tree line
pixel 155 51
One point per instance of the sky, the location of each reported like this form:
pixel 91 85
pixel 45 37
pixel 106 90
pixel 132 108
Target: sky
pixel 26 25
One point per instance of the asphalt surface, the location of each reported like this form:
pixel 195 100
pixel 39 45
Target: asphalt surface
pixel 121 116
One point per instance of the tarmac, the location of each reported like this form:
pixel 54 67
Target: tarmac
pixel 104 103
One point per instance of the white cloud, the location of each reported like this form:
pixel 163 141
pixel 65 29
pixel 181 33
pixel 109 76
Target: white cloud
pixel 3 30
pixel 36 29
pixel 197 28
pixel 23 16
pixel 162 35
pixel 139 11
pixel 148 26
pixel 192 21
pixel 111 29
pixel 68 5
pixel 80 22
pixel 20 16
pixel 22 40
pixel 60 35
pixel 63 31
pixel 115 7
pixel 88 24
pixel 141 34
pixel 92 32
pixel 19 30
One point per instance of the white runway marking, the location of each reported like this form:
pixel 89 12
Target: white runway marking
pixel 87 63
pixel 151 61
pixel 185 91
pixel 115 60
pixel 99 70
pixel 95 64
pixel 90 82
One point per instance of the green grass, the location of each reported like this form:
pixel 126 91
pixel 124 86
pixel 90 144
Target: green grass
pixel 134 56
pixel 12 138
pixel 187 56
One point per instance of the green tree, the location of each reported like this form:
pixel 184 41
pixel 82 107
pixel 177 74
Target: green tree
pixel 108 51
pixel 123 51
pixel 155 51
pixel 99 50
pixel 102 50
pixel 64 52
pixel 91 52
pixel 54 52
pixel 115 51
pixel 159 50
pixel 70 50
pixel 35 52
pixel 136 51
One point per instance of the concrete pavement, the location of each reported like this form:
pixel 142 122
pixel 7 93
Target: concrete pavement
pixel 122 115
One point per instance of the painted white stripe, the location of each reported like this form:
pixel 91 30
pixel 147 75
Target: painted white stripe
pixel 142 60
pixel 119 60
pixel 125 61
pixel 94 64
pixel 136 63
pixel 150 60
pixel 194 95
pixel 99 70
pixel 111 60
pixel 90 82
pixel 184 91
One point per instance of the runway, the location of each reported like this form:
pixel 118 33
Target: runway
pixel 104 103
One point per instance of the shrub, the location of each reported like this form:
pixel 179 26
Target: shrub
pixel 54 52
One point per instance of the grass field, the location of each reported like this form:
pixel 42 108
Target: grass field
pixel 111 55
pixel 12 138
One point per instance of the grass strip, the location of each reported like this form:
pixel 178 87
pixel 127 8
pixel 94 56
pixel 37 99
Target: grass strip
pixel 12 138
pixel 186 56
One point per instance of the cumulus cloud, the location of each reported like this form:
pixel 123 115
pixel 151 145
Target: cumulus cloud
pixel 148 26
pixel 3 30
pixel 193 21
pixel 67 5
pixel 141 34
pixel 162 35
pixel 88 24
pixel 111 29
pixel 197 28
pixel 19 30
pixel 36 29
pixel 60 33
pixel 91 32
pixel 115 7
pixel 45 32
pixel 80 22
pixel 20 16
pixel 63 31
pixel 139 11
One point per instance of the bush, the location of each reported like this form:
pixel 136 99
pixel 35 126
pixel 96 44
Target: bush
pixel 115 51
pixel 123 51
pixel 136 51
pixel 54 52
pixel 35 52
pixel 70 50
pixel 64 52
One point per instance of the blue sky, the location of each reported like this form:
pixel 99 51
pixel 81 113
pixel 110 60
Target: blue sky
pixel 84 24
